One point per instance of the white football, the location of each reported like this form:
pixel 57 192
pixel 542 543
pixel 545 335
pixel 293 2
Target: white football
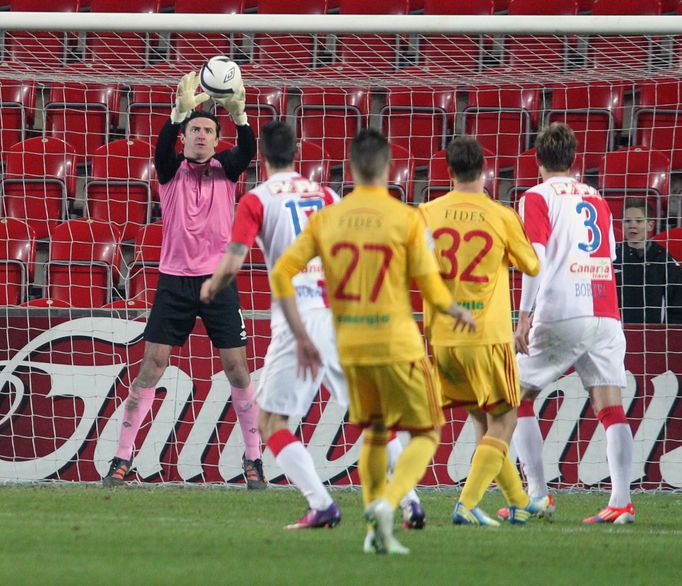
pixel 220 77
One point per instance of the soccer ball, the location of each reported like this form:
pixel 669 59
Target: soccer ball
pixel 220 77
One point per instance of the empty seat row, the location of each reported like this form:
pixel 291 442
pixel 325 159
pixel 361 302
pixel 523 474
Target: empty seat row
pixel 132 51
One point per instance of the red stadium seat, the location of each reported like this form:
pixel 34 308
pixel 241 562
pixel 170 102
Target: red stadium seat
pixel 400 175
pixel 635 171
pixel 672 241
pixel 17 260
pixel 501 5
pixel 454 52
pixel 149 107
pixel 263 105
pixel 527 173
pixel 658 117
pixel 503 118
pixel 40 49
pixel 439 182
pixel 83 115
pixel 540 53
pixel 281 51
pixel 39 182
pixel 332 117
pixel 195 48
pixel 312 162
pixel 143 272
pixel 595 113
pixel 610 52
pixel 254 288
pixel 120 51
pixel 368 52
pixel 119 189
pixel 17 111
pixel 419 120
pixel 83 263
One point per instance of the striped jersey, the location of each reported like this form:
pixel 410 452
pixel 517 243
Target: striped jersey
pixel 273 214
pixel 573 222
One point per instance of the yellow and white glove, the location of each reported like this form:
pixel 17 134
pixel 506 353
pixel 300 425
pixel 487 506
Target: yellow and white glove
pixel 186 99
pixel 235 105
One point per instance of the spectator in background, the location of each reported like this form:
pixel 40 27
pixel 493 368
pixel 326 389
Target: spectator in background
pixel 649 279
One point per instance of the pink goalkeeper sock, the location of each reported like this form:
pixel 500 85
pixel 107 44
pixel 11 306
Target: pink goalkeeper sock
pixel 137 406
pixel 244 401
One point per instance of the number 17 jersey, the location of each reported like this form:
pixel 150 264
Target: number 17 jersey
pixel 573 222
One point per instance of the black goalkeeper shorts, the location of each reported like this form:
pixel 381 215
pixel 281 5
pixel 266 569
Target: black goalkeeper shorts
pixel 177 305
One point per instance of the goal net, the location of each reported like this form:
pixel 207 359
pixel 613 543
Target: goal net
pixel 80 109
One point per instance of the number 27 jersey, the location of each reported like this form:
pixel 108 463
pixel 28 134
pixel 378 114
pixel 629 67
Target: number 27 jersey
pixel 573 222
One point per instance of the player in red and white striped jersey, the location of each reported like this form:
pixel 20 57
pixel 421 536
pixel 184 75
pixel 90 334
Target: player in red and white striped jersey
pixel 273 214
pixel 576 322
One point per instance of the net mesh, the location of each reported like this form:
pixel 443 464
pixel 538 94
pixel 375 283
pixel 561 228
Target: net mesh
pixel 79 116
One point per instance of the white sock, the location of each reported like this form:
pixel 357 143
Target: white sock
pixel 394 449
pixel 528 443
pixel 619 456
pixel 297 463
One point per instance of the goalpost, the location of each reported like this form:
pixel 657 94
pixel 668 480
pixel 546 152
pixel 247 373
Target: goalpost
pixel 81 99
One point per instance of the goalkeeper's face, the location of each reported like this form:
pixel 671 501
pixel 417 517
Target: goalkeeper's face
pixel 200 139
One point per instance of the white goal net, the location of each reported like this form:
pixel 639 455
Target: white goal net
pixel 80 109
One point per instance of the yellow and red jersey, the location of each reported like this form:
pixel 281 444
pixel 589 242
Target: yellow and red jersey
pixel 371 246
pixel 476 240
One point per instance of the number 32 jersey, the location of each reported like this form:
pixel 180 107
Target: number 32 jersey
pixel 273 214
pixel 573 222
pixel 476 240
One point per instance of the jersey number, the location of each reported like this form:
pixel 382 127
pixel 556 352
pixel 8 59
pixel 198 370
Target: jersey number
pixel 591 224
pixel 355 252
pixel 451 252
pixel 300 210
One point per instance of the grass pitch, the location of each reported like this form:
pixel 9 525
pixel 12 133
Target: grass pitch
pixel 65 534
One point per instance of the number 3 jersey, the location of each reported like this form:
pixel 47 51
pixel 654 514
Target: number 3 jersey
pixel 573 222
pixel 273 214
pixel 476 240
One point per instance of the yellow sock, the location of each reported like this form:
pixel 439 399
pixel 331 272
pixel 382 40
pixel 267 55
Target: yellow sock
pixel 411 465
pixel 510 484
pixel 485 466
pixel 373 464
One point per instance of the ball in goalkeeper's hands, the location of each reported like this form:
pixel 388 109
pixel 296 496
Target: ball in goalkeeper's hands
pixel 220 77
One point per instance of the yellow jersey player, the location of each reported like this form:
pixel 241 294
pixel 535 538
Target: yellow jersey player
pixel 476 239
pixel 371 246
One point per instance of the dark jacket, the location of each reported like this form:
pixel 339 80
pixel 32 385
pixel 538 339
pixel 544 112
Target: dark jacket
pixel 649 284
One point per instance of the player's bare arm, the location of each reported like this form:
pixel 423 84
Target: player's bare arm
pixel 227 269
pixel 522 331
pixel 309 359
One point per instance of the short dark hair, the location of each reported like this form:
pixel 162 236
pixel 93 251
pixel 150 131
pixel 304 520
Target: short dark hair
pixel 277 144
pixel 465 158
pixel 200 114
pixel 639 203
pixel 555 147
pixel 370 153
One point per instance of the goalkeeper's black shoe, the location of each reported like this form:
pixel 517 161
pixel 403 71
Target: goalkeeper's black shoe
pixel 253 471
pixel 118 470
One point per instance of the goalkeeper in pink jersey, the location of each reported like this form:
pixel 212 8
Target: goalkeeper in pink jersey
pixel 273 214
pixel 576 320
pixel 197 205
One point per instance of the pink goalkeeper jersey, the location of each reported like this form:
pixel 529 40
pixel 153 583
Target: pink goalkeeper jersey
pixel 273 214
pixel 197 207
pixel 573 222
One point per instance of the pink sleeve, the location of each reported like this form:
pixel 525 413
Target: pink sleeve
pixel 535 216
pixel 248 220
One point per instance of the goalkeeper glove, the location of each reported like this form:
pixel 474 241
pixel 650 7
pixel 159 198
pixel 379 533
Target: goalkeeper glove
pixel 185 98
pixel 235 105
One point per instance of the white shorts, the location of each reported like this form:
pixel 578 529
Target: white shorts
pixel 280 390
pixel 595 346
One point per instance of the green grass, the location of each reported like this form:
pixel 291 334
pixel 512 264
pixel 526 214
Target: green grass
pixel 63 534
